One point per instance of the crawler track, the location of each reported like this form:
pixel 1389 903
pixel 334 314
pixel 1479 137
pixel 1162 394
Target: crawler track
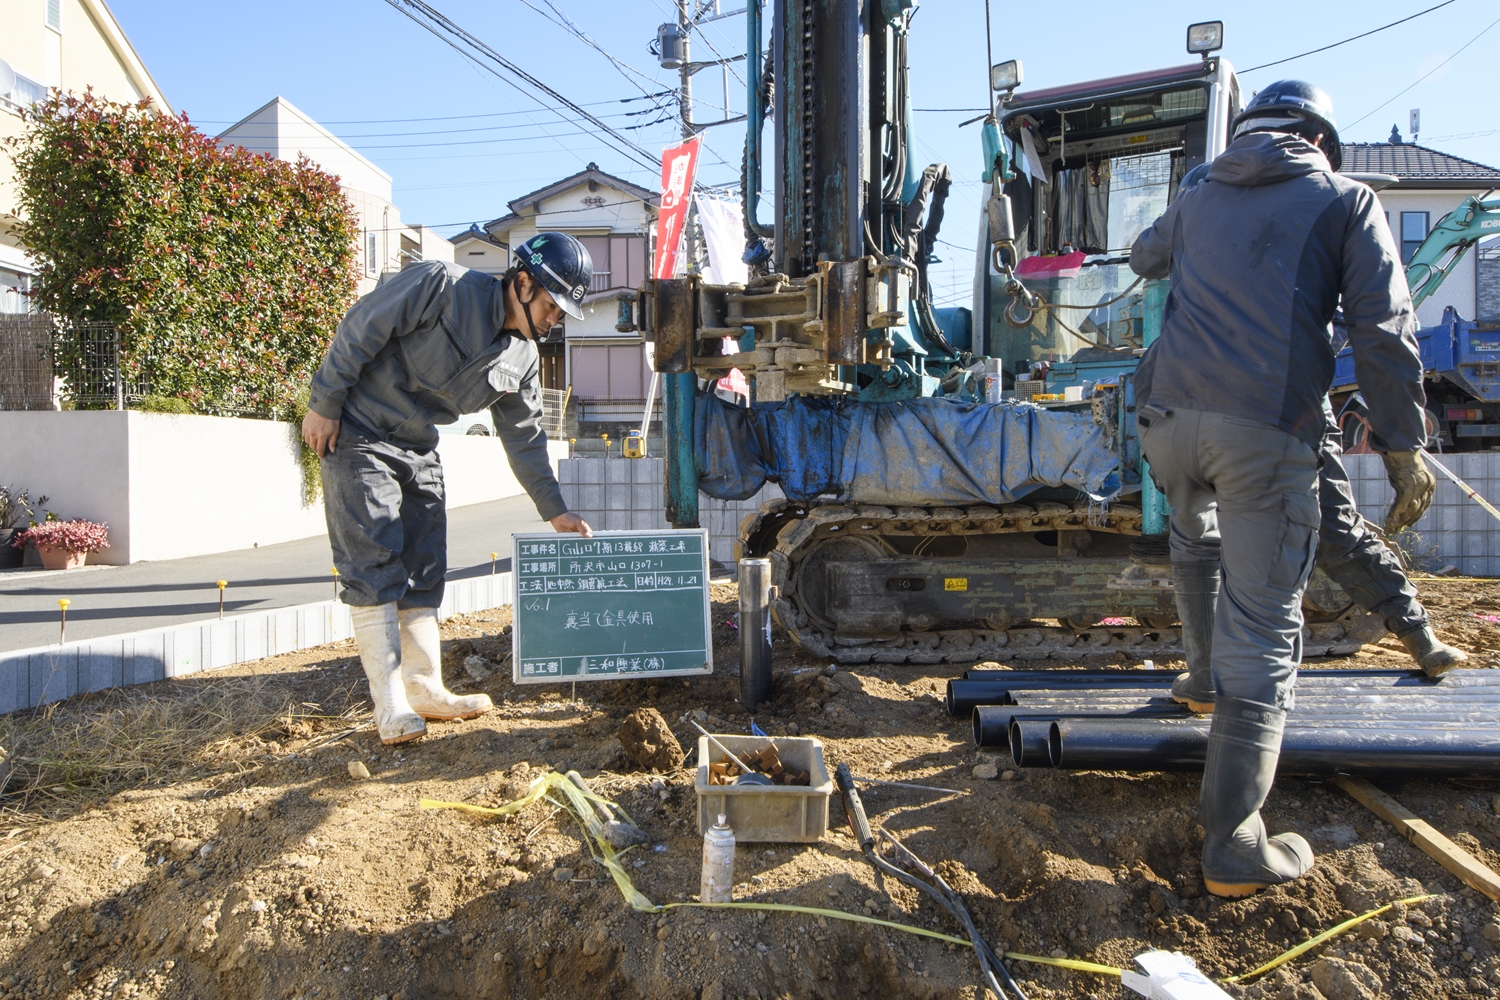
pixel 791 534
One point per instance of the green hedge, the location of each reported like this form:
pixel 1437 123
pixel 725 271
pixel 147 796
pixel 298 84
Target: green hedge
pixel 225 272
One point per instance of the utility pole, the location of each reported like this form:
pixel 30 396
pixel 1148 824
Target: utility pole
pixel 685 103
pixel 685 73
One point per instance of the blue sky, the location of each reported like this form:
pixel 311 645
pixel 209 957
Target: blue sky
pixel 411 104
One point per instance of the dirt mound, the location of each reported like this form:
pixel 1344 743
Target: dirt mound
pixel 648 741
pixel 239 858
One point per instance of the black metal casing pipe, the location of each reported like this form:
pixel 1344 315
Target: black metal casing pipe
pixel 755 632
pixel 1181 745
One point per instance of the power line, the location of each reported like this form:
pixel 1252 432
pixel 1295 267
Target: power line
pixel 562 20
pixel 433 118
pixel 435 22
pixel 1463 135
pixel 442 131
pixel 1346 41
pixel 456 142
pixel 1425 75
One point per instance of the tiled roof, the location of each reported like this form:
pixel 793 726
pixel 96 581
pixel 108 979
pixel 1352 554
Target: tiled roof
pixel 1417 166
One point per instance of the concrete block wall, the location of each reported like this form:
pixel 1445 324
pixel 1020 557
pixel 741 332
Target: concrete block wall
pixel 1459 530
pixel 627 494
pixel 31 677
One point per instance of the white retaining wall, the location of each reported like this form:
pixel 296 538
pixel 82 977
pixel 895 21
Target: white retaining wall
pixel 171 486
pixel 1462 532
pixel 627 494
pixel 31 677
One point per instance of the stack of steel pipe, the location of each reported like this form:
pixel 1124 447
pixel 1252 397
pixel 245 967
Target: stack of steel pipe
pixel 1370 723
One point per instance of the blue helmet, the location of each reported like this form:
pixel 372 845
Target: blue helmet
pixel 562 265
pixel 1288 102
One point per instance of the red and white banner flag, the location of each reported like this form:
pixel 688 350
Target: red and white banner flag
pixel 678 167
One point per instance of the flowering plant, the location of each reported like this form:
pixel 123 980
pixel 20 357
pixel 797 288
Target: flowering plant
pixel 224 272
pixel 74 536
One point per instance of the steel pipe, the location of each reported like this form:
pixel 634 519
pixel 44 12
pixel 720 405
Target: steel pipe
pixel 1068 675
pixel 1181 744
pixel 997 726
pixel 1069 703
pixel 1303 699
pixel 1028 734
pixel 755 632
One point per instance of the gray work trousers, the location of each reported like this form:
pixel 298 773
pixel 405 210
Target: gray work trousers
pixel 1245 494
pixel 387 521
pixel 1354 558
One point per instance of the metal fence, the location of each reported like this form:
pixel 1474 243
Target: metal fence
pixel 555 412
pixel 47 364
pixel 616 410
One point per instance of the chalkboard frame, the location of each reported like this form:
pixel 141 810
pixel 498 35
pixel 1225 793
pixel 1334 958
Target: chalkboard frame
pixel 516 615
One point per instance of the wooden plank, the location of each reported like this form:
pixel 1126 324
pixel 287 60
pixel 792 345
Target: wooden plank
pixel 1469 869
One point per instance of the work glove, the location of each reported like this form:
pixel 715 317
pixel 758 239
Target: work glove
pixel 1413 485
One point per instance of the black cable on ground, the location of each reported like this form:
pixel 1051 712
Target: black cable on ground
pixel 990 965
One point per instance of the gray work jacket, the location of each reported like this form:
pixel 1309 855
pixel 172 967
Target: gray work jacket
pixel 1260 255
pixel 425 347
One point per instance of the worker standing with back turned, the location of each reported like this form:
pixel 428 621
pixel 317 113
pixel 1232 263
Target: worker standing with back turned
pixel 432 343
pixel 1349 552
pixel 1230 402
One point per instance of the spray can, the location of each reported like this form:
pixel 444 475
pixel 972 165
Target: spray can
pixel 718 863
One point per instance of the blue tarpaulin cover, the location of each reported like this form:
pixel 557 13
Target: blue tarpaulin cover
pixel 916 452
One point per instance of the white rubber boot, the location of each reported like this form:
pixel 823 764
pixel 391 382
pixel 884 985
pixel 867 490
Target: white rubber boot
pixel 376 629
pixel 422 671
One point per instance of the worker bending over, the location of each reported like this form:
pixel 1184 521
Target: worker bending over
pixel 433 342
pixel 1231 412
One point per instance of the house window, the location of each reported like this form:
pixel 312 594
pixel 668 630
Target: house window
pixel 1413 232
pixel 13 289
pixel 27 91
pixel 372 255
pixel 54 14
pixel 609 371
pixel 619 261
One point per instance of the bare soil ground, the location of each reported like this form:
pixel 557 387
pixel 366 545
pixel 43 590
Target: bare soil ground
pixel 205 838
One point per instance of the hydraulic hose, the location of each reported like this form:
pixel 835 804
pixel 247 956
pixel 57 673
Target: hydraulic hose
pixel 990 965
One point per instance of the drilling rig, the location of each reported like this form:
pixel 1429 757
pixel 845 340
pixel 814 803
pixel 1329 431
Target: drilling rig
pixel 954 492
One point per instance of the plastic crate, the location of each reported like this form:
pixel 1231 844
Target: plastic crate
pixel 767 813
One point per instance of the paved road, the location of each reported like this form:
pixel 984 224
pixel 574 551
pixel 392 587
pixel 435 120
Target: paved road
pixel 110 600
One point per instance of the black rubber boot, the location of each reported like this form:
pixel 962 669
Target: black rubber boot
pixel 1432 654
pixel 1197 589
pixel 1238 857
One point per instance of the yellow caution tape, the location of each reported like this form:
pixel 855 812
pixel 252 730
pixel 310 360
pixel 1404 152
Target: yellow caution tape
pixel 1077 965
pixel 577 804
pixel 820 912
pixel 1313 942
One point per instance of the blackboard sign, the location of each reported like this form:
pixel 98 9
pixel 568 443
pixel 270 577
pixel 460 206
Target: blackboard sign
pixel 619 604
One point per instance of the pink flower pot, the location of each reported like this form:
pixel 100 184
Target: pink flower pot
pixel 54 558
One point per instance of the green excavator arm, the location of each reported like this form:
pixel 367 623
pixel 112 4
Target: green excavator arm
pixel 1449 240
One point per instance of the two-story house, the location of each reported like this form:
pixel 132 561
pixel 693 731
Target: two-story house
pixel 615 220
pixel 66 45
pixel 478 250
pixel 1429 185
pixel 384 245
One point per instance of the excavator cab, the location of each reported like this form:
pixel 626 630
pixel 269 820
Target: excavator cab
pixel 1090 166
